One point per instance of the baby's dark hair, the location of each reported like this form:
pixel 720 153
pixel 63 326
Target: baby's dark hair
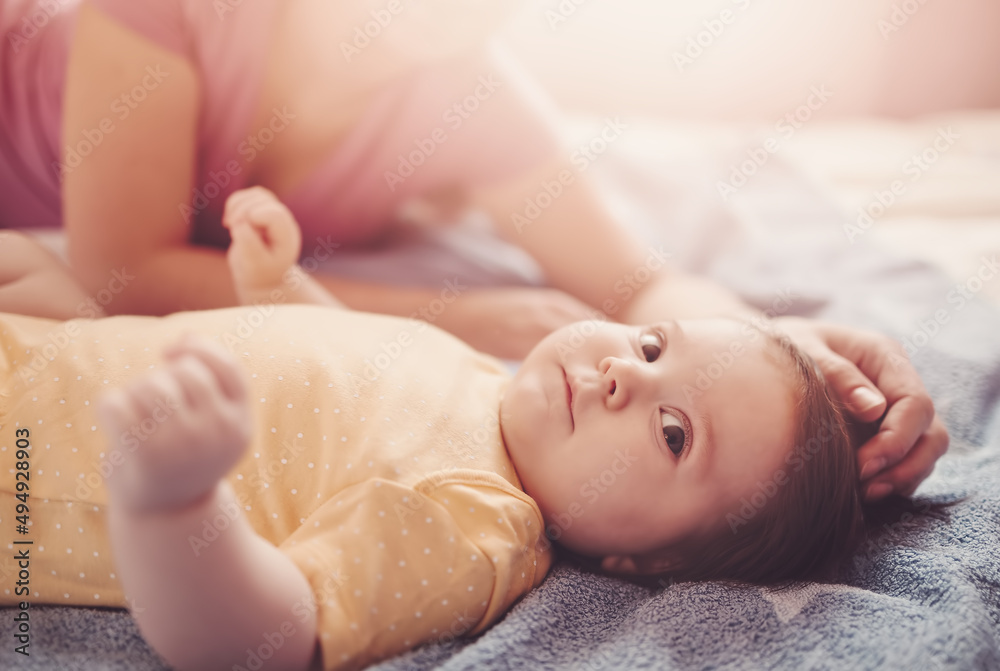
pixel 814 517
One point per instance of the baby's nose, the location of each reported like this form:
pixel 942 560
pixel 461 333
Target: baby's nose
pixel 617 380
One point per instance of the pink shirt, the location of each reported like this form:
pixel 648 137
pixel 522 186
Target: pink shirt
pixel 461 122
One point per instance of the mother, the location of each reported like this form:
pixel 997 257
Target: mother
pixel 167 106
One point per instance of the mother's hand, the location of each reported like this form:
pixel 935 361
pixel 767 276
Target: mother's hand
pixel 867 370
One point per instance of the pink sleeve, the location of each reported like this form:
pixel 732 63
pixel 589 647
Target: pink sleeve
pixel 162 21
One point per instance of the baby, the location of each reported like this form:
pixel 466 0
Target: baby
pixel 305 487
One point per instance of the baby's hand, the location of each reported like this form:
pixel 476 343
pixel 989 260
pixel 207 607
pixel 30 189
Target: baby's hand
pixel 266 240
pixel 179 429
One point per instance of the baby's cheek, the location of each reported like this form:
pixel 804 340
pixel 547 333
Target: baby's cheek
pixel 570 504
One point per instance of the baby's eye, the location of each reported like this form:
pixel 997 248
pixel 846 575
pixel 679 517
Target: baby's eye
pixel 651 346
pixel 674 432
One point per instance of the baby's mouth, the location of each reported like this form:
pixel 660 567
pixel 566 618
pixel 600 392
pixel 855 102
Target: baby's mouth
pixel 569 400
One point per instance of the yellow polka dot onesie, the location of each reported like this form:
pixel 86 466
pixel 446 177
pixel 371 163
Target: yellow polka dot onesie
pixel 376 465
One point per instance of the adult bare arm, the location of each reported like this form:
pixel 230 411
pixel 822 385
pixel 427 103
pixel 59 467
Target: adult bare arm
pixel 202 280
pixel 127 241
pixel 587 254
pixel 120 203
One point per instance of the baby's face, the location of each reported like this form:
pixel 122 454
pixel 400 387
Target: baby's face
pixel 609 430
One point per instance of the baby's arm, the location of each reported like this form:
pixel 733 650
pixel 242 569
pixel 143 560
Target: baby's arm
pixel 200 607
pixel 266 245
pixel 204 611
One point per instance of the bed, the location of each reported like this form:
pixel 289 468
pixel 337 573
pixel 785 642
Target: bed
pixel 926 593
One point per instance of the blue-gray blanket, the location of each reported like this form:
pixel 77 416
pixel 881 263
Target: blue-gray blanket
pixel 925 596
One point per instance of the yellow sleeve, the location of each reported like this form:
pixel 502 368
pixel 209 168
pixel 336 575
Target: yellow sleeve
pixel 392 567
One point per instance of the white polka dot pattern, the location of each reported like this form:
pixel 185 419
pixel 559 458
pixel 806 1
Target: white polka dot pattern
pixel 410 528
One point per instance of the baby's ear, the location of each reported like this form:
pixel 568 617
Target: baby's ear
pixel 641 565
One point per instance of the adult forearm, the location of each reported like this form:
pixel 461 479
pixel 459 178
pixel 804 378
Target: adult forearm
pixel 171 280
pixel 676 295
pixel 201 603
pixel 382 298
pixel 199 278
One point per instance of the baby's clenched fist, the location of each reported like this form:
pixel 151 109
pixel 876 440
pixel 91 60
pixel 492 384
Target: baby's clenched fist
pixel 179 430
pixel 266 240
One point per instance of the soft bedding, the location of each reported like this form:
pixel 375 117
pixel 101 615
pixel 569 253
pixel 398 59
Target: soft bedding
pixel 925 594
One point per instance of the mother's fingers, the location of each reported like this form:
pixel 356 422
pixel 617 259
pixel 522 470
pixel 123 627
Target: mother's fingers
pixel 905 422
pixel 880 358
pixel 914 468
pixel 910 411
pixel 910 437
pixel 852 386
